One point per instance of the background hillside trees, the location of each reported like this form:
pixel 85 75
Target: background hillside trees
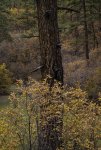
pixel 5 80
pixel 4 25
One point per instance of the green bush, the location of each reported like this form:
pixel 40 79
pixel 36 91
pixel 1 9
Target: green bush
pixel 93 85
pixel 5 79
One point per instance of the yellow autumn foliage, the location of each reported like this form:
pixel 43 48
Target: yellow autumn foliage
pixel 20 122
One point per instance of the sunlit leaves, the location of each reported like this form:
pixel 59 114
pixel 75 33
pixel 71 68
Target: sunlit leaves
pixel 35 107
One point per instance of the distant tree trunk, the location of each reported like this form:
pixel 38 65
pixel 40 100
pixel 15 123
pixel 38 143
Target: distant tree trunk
pixel 99 15
pixel 95 41
pixel 76 34
pixel 92 26
pixel 51 61
pixel 85 30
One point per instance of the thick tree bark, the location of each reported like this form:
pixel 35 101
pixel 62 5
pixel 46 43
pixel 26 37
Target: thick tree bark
pixel 51 60
pixel 50 47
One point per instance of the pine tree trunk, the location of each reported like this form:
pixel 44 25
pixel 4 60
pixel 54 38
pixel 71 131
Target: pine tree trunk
pixel 51 60
pixel 86 30
pixel 50 47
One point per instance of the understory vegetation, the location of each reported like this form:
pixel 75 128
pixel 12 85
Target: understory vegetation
pixel 5 80
pixel 20 121
pixel 50 58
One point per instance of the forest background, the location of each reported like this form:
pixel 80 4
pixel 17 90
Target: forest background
pixel 80 35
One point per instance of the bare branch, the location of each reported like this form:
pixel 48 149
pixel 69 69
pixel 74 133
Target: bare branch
pixel 38 68
pixel 68 9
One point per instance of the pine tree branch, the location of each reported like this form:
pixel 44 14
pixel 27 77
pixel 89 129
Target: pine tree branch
pixel 68 9
pixel 37 69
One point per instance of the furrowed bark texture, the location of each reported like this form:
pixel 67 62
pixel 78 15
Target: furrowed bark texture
pixel 50 47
